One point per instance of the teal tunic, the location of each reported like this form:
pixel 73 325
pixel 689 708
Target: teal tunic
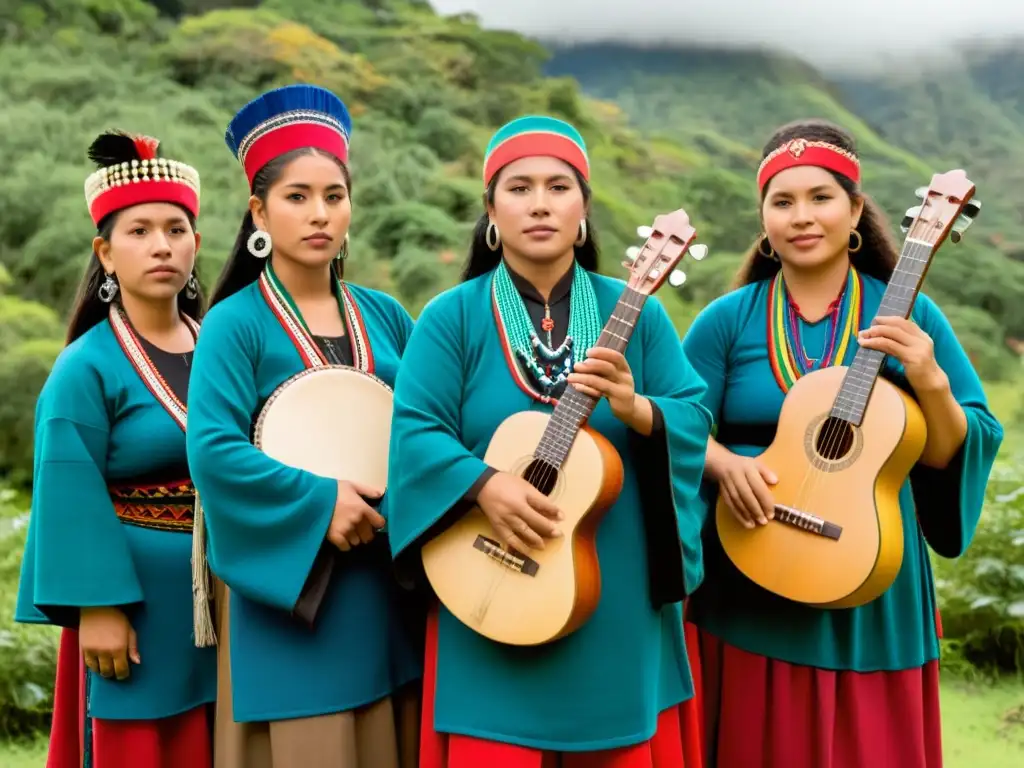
pixel 604 685
pixel 727 344
pixel 267 522
pixel 97 424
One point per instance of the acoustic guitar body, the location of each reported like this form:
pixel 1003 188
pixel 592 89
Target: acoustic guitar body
pixel 837 537
pixel 541 595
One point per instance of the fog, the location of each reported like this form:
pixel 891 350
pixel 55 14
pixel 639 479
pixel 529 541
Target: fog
pixel 860 35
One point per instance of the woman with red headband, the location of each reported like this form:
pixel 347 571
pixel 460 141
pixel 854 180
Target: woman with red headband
pixel 520 328
pixel 318 666
pixel 786 684
pixel 110 534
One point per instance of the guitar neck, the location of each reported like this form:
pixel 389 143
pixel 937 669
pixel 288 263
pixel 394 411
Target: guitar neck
pixel 574 407
pixel 898 301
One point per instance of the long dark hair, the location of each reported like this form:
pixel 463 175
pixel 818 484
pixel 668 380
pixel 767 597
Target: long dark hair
pixel 878 253
pixel 107 150
pixel 242 268
pixel 482 259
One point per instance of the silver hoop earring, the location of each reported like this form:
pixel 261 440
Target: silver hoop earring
pixel 259 244
pixel 108 289
pixel 343 253
pixel 493 240
pixel 583 234
pixel 192 287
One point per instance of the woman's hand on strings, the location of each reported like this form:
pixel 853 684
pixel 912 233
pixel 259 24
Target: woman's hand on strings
pixel 520 514
pixel 355 522
pixel 904 340
pixel 605 373
pixel 743 484
pixel 108 642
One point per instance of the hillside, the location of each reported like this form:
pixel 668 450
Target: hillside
pixel 719 107
pixel 664 129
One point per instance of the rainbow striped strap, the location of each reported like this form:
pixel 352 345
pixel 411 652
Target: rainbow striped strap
pixel 780 342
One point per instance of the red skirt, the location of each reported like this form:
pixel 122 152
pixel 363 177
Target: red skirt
pixel 676 743
pixel 80 742
pixel 763 713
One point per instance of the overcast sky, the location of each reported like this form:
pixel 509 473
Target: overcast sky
pixel 826 33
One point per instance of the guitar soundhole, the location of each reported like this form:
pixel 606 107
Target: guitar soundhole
pixel 541 475
pixel 835 439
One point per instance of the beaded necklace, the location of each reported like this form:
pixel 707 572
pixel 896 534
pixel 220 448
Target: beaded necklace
pixel 524 351
pixel 784 330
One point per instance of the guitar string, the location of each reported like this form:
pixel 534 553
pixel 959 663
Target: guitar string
pixel 836 429
pixel 541 471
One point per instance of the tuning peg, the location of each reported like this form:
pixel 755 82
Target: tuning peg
pixel 908 218
pixel 697 251
pixel 973 208
pixel 644 232
pixel 921 192
pixel 677 278
pixel 632 252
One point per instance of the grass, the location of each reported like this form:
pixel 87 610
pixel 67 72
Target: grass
pixel 983 727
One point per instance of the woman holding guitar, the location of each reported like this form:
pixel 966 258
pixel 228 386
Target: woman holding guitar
pixel 318 668
pixel 787 683
pixel 610 693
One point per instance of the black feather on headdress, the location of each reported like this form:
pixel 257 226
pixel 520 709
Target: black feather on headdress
pixel 118 147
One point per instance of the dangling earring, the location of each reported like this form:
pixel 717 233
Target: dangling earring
pixel 259 244
pixel 583 234
pixel 771 251
pixel 108 289
pixel 860 241
pixel 343 253
pixel 192 287
pixel 493 241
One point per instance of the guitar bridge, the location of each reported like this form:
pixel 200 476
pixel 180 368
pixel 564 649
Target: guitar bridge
pixel 807 522
pixel 512 559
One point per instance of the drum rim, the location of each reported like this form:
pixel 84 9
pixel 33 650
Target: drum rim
pixel 258 429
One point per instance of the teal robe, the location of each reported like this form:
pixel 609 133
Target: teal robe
pixel 604 685
pixel 98 424
pixel 727 345
pixel 267 522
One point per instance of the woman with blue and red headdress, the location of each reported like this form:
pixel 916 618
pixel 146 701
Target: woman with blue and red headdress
pixel 110 533
pixel 521 327
pixel 788 684
pixel 318 667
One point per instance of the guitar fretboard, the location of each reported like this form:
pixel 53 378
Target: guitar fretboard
pixel 574 407
pixel 898 300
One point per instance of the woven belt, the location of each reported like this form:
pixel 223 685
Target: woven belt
pixel 164 506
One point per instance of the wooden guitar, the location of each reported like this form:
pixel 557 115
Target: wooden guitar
pixel 535 597
pixel 845 444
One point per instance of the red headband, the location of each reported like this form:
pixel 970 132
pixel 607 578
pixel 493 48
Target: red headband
pixel 803 152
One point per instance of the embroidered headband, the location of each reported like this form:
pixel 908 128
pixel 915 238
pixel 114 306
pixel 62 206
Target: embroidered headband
pixel 536 135
pixel 130 173
pixel 803 152
pixel 286 119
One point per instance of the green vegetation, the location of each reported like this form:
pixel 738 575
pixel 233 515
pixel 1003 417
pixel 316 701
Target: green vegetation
pixel 426 93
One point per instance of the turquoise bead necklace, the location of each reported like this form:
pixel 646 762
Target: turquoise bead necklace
pixel 537 358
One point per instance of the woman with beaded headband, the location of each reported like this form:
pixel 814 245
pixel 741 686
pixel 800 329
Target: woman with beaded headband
pixel 841 688
pixel 110 533
pixel 320 671
pixel 520 328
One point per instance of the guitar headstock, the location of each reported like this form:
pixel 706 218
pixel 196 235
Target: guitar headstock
pixel 668 240
pixel 948 208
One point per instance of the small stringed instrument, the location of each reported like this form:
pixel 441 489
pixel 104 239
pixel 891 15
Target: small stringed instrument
pixel 535 597
pixel 846 442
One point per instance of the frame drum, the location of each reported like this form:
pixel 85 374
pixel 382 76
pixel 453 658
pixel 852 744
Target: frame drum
pixel 334 421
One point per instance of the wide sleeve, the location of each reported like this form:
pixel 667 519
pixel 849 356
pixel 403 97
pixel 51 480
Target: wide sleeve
pixel 77 555
pixel 949 501
pixel 672 459
pixel 430 469
pixel 266 521
pixel 706 347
